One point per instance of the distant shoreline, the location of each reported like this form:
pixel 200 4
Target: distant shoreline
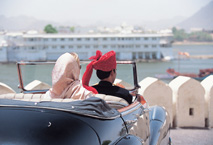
pixel 192 43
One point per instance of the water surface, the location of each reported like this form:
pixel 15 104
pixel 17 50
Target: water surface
pixel 8 72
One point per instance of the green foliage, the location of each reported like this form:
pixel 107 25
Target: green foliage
pixel 200 36
pixel 50 29
pixel 72 29
pixel 180 35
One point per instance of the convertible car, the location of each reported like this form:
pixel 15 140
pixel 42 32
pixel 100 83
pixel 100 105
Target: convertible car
pixel 28 118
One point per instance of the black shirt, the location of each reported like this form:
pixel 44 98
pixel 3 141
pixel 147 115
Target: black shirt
pixel 107 88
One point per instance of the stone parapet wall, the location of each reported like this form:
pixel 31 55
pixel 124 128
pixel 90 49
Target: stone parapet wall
pixel 156 92
pixel 4 89
pixel 188 101
pixel 208 86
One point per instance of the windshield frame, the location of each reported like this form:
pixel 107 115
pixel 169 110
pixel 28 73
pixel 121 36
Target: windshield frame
pixel 23 90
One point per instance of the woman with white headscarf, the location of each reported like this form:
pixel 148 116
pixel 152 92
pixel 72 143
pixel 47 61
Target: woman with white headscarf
pixel 65 79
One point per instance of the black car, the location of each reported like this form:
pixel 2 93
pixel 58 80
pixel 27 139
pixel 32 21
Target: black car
pixel 28 118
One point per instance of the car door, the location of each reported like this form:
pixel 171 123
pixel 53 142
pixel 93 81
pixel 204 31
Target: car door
pixel 136 119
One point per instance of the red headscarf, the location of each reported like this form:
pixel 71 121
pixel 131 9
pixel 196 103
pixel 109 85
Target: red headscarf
pixel 106 62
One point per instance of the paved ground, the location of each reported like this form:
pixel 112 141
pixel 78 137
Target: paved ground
pixel 192 136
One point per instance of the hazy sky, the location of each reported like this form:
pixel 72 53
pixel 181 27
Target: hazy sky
pixel 101 10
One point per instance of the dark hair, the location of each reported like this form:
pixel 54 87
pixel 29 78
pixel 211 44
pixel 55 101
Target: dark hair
pixel 102 74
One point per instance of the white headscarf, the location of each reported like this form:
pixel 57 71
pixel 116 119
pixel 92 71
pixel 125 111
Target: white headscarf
pixel 65 79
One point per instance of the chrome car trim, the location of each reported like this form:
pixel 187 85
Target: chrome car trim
pixel 130 109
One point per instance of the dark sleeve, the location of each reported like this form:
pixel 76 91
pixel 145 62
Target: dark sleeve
pixel 129 98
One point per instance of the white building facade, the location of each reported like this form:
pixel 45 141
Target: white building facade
pixel 48 47
pixel 3 50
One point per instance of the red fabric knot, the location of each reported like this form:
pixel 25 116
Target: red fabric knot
pixel 97 56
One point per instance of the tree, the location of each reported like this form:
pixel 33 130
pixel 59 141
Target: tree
pixel 200 36
pixel 50 29
pixel 179 35
pixel 174 30
pixel 72 29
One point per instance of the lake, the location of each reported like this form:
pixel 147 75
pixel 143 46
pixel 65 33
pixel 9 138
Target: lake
pixel 8 72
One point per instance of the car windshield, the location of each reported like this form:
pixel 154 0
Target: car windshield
pixel 39 74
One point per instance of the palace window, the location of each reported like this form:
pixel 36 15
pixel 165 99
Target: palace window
pixel 154 55
pixel 146 38
pixel 78 39
pixel 104 46
pixel 137 46
pixel 140 55
pixel 87 46
pixel 105 39
pixel 138 38
pixel 154 46
pixel 62 39
pixel 154 38
pixel 70 39
pixel 95 39
pixel 134 55
pixel 95 46
pixel 117 55
pixel 70 46
pixel 113 46
pixel 54 39
pixel 45 47
pixel 31 39
pixel 146 46
pixel 79 46
pixel 87 39
pixel 62 46
pixel 129 46
pixel 15 48
pixel 112 39
pixel 54 47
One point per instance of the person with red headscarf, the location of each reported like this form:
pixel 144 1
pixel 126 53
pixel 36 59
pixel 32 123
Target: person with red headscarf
pixel 105 66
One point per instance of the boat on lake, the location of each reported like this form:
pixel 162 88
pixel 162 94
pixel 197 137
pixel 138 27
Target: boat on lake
pixel 203 73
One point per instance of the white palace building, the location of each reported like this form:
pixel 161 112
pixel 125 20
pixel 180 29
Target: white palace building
pixel 48 47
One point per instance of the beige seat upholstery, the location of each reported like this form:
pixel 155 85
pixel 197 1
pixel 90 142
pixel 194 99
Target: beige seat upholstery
pixel 32 97
pixel 114 102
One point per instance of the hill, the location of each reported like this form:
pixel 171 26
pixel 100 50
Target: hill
pixel 201 19
pixel 25 23
pixel 22 23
